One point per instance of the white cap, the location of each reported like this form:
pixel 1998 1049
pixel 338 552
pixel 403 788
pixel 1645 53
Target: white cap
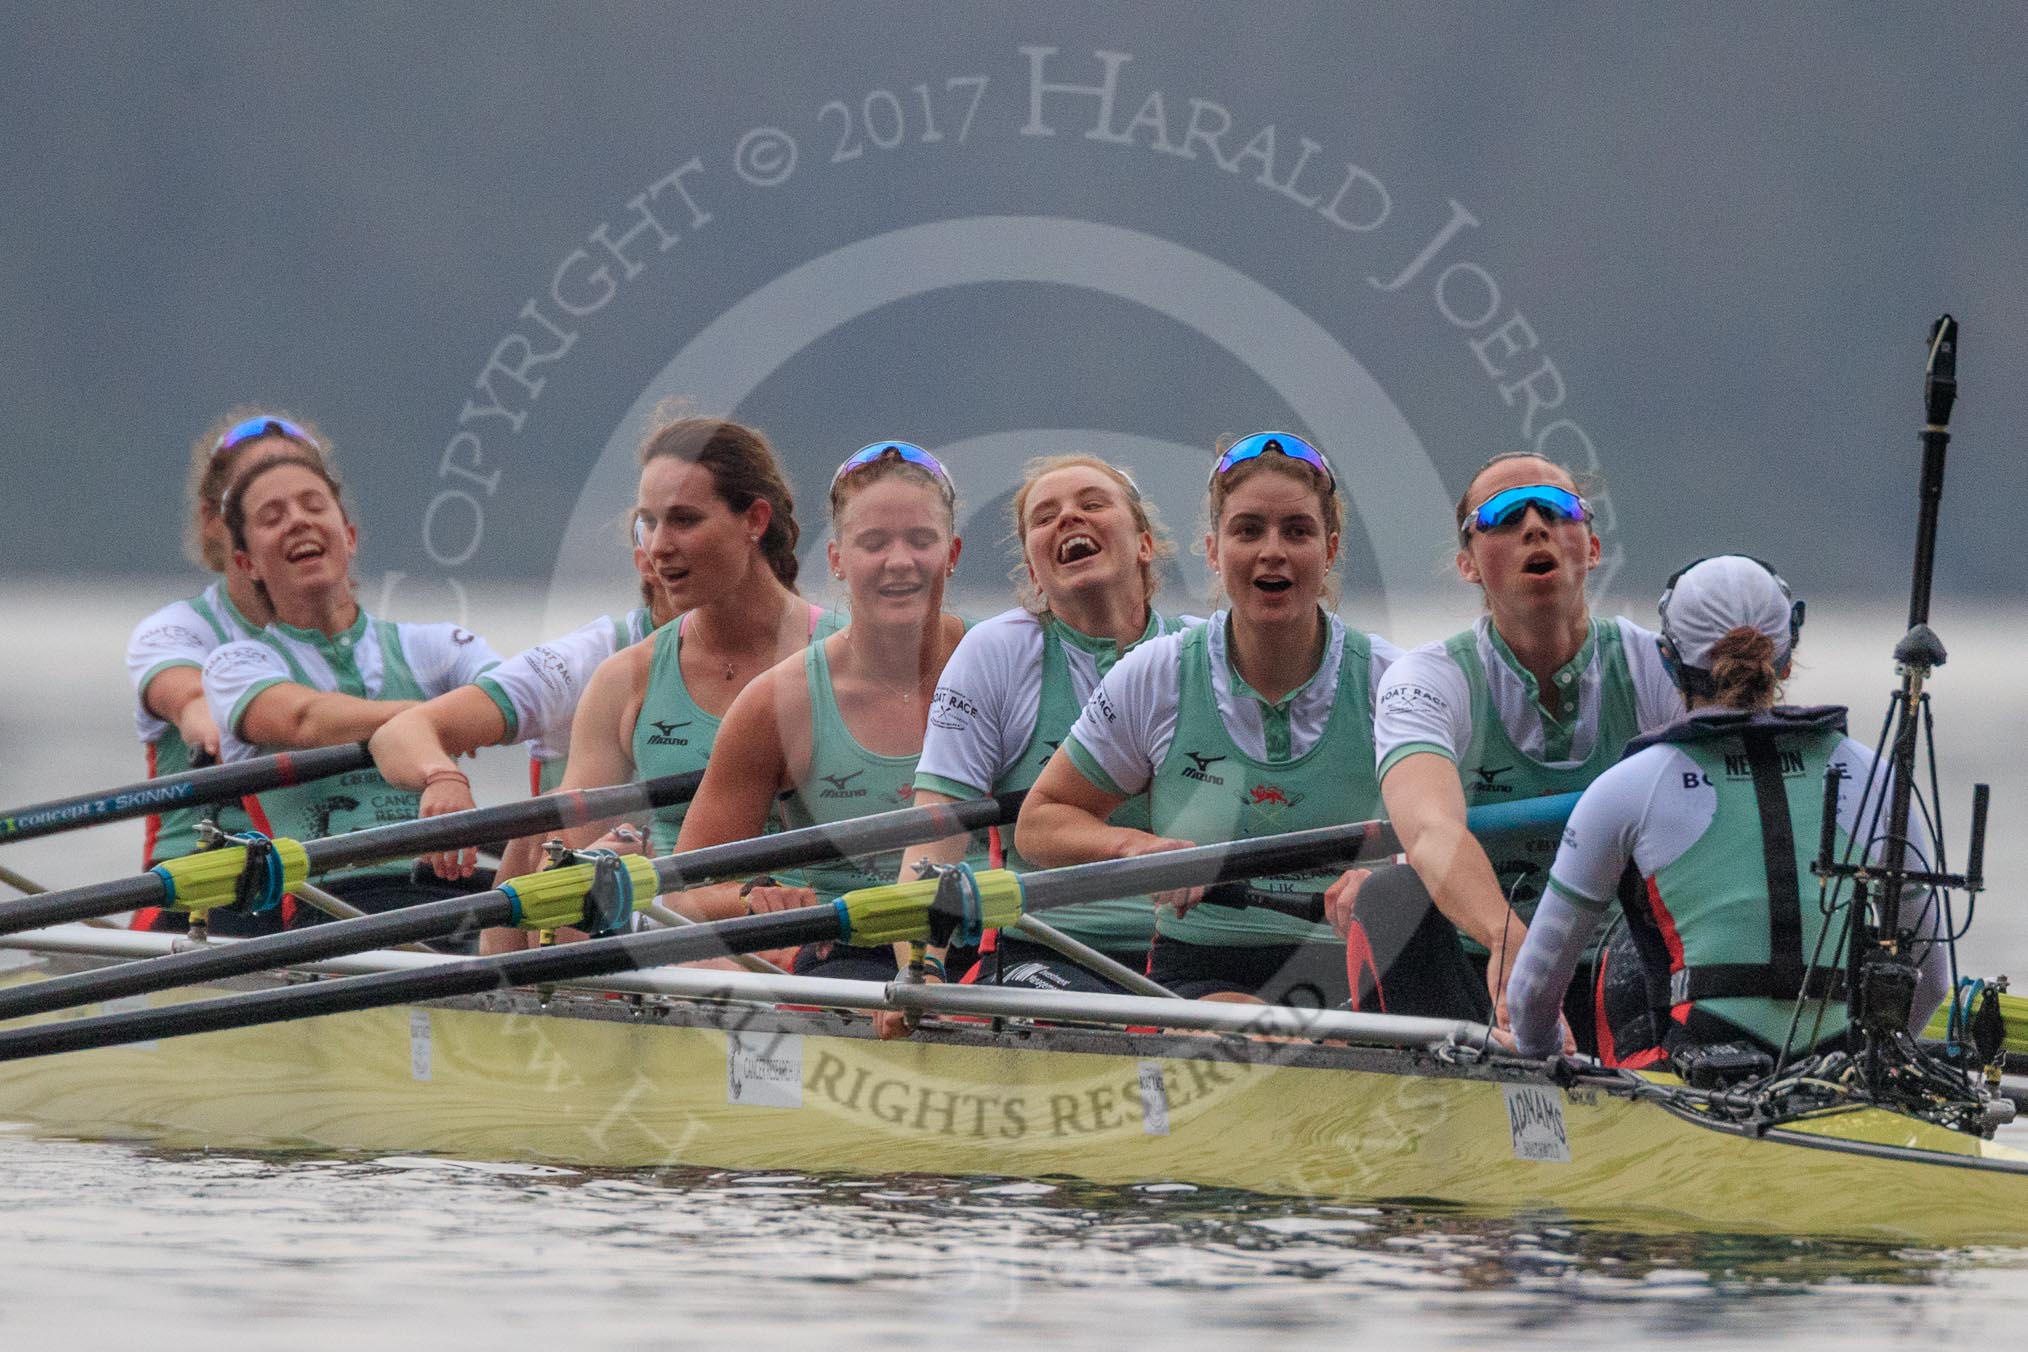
pixel 1713 597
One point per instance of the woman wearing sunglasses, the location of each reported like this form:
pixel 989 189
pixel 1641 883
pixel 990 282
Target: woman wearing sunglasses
pixel 1537 698
pixel 323 671
pixel 1089 550
pixel 166 653
pixel 1728 937
pixel 715 533
pixel 1258 722
pixel 835 731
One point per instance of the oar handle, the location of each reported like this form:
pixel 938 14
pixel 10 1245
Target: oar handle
pixel 213 784
pixel 1240 896
pixel 877 834
pixel 559 811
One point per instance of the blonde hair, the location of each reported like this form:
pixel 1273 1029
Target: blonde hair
pixel 1145 519
pixel 211 474
pixel 892 466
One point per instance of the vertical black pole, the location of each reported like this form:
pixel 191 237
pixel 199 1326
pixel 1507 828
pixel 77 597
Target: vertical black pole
pixel 1940 391
pixel 1920 650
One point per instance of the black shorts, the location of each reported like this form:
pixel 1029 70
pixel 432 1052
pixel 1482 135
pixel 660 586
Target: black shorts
pixel 1304 975
pixel 1408 956
pixel 1021 962
pixel 849 962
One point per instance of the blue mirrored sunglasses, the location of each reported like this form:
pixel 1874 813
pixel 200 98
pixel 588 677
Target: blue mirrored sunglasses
pixel 264 425
pixel 907 451
pixel 1260 443
pixel 1511 505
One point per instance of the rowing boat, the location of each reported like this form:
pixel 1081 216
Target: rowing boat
pixel 717 1069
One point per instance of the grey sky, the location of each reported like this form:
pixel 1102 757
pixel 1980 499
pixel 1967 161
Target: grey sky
pixel 1726 225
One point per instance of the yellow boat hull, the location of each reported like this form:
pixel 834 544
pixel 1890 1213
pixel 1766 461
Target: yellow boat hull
pixel 619 1084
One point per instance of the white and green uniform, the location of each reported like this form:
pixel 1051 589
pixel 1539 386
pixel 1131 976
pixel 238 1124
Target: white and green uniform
pixel 1726 918
pixel 1469 700
pixel 537 690
pixel 1010 692
pixel 1175 719
pixel 180 634
pixel 845 781
pixel 374 659
pixel 673 734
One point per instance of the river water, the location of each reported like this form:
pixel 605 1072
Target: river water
pixel 111 1244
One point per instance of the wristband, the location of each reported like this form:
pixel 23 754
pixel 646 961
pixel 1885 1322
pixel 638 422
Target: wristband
pixel 437 776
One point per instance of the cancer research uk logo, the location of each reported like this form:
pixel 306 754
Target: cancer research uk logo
pixel 1409 258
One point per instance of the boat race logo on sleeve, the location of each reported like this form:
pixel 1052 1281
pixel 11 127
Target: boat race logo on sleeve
pixel 1033 247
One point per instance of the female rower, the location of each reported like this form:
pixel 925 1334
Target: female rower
pixel 838 728
pixel 1089 549
pixel 716 525
pixel 714 533
pixel 323 671
pixel 165 655
pixel 528 698
pixel 1537 698
pixel 1733 945
pixel 1258 722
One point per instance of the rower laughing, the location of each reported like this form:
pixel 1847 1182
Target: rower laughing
pixel 324 671
pixel 166 653
pixel 1256 723
pixel 1087 576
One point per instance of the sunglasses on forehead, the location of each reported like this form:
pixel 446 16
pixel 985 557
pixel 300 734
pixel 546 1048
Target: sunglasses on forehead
pixel 902 450
pixel 1511 505
pixel 263 425
pixel 1281 443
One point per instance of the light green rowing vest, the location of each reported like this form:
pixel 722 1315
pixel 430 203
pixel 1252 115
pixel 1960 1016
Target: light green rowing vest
pixel 846 781
pixel 673 734
pixel 1207 790
pixel 175 832
pixel 1494 770
pixel 1119 926
pixel 359 798
pixel 1717 893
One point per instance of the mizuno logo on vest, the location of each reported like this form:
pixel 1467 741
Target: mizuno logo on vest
pixel 1197 768
pixel 838 783
pixel 1488 775
pixel 665 733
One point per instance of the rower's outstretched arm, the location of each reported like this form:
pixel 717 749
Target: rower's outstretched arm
pixel 433 735
pixel 1426 803
pixel 291 715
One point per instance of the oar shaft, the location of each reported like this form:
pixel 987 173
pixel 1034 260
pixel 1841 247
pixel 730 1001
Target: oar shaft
pixel 551 812
pixel 534 966
pixel 885 831
pixel 432 920
pixel 215 783
pixel 881 832
pixel 523 817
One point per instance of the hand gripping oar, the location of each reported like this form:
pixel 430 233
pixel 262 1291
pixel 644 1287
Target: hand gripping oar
pixel 587 895
pixel 1231 883
pixel 211 878
pixel 213 784
pixel 870 916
